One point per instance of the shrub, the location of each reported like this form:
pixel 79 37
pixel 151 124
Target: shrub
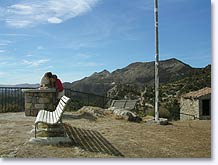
pixel 164 113
pixel 173 107
pixel 150 112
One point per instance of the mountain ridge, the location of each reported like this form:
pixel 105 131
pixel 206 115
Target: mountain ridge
pixel 25 85
pixel 137 73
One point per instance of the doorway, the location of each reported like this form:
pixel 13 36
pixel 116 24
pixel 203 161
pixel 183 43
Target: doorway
pixel 206 107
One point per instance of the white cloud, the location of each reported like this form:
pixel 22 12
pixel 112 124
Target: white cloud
pixel 40 47
pixel 27 14
pixel 5 42
pixel 15 35
pixel 35 63
pixel 21 9
pixel 84 55
pixel 2 51
pixel 18 23
pixel 3 63
pixel 29 54
pixel 54 20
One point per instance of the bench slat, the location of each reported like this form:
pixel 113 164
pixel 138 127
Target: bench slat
pixel 44 115
pixel 60 106
pixel 130 104
pixel 40 116
pixel 124 104
pixel 58 112
pixel 65 99
pixel 52 117
pixel 62 103
pixel 119 103
pixel 55 117
pixel 48 117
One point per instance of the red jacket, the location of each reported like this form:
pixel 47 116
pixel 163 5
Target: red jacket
pixel 59 85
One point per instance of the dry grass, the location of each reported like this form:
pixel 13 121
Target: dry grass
pixel 181 139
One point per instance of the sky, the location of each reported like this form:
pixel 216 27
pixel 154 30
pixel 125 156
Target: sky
pixel 75 38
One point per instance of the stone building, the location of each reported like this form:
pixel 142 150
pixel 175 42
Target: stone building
pixel 196 105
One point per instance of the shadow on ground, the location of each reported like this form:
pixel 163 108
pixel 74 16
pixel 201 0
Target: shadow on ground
pixel 91 141
pixel 84 115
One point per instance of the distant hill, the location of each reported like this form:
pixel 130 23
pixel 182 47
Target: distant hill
pixel 22 85
pixel 174 74
pixel 140 74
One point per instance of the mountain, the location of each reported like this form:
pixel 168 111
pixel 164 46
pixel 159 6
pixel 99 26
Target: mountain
pixel 22 85
pixel 97 83
pixel 139 74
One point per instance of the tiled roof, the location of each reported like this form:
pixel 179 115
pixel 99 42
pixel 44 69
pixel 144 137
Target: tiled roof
pixel 197 94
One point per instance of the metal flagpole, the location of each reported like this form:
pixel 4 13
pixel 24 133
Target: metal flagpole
pixel 156 62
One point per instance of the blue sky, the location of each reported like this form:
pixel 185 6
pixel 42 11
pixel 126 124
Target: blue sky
pixel 75 38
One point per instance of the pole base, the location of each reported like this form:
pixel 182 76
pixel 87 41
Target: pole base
pixel 161 121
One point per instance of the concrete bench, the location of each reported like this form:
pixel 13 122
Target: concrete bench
pixel 52 118
pixel 124 104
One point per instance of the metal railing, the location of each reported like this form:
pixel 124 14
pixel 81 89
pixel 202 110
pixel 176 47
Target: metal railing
pixel 80 99
pixel 12 99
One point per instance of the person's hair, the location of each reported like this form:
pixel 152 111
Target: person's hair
pixel 54 76
pixel 48 74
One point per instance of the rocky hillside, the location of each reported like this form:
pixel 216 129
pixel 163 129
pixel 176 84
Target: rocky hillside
pixel 139 74
pixel 195 80
pixel 136 81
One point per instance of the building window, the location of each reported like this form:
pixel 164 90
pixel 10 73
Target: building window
pixel 206 107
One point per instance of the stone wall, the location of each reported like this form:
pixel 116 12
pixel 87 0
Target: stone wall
pixel 193 106
pixel 36 100
pixel 189 107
